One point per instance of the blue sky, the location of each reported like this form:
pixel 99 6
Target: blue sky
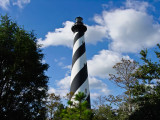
pixel 116 29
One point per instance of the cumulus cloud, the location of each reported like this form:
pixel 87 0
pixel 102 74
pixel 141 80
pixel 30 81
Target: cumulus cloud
pixel 130 30
pixel 63 87
pixel 64 36
pixel 97 87
pixel 51 90
pixel 98 67
pixel 101 65
pixel 95 34
pixel 61 36
pixel 64 83
pixel 58 91
pixel 4 4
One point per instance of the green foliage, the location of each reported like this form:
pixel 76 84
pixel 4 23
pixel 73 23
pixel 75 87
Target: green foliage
pixel 53 104
pixel 70 103
pixel 104 112
pixel 140 101
pixel 147 90
pixel 147 112
pixel 23 85
pixel 79 97
pixel 103 108
pixel 78 109
pixel 57 113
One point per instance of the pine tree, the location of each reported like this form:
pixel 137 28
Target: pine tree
pixel 77 110
pixel 147 90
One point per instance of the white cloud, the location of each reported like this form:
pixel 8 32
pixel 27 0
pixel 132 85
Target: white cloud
pixel 4 4
pixel 51 90
pixel 101 65
pixel 64 83
pixel 64 36
pixel 68 67
pixel 94 83
pixel 63 86
pixel 60 62
pixel 58 91
pixel 99 86
pixel 95 34
pixel 94 95
pixel 21 3
pixel 61 36
pixel 137 5
pixel 131 29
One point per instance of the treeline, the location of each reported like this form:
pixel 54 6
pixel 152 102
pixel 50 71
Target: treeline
pixel 23 85
pixel 139 101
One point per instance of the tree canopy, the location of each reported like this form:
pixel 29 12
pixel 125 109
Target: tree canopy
pixel 23 84
pixel 147 90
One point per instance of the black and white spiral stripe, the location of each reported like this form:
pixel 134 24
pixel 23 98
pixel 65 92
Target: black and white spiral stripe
pixel 79 74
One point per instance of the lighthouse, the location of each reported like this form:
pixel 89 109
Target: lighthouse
pixel 79 73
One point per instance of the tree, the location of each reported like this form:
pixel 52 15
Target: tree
pixel 124 78
pixel 23 84
pixel 102 111
pixel 105 112
pixel 58 112
pixel 147 112
pixel 78 110
pixel 53 103
pixel 147 90
pixel 116 101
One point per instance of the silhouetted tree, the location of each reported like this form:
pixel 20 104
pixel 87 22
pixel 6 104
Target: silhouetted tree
pixel 23 84
pixel 147 90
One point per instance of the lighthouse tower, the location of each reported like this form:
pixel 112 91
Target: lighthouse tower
pixel 79 74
